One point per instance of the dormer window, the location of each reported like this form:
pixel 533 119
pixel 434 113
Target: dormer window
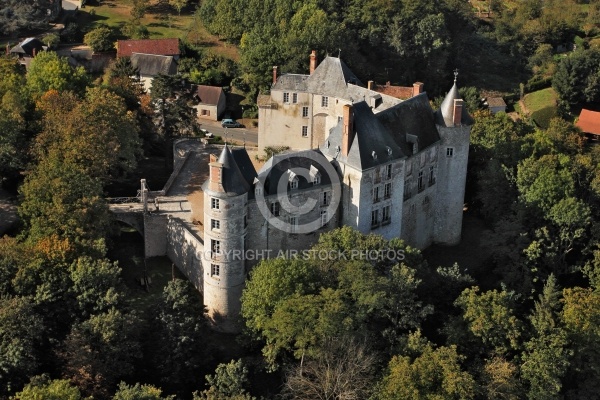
pixel 315 175
pixel 294 183
pixel 374 155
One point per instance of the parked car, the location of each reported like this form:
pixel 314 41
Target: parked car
pixel 231 123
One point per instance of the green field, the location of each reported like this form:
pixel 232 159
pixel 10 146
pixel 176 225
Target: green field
pixel 542 106
pixel 161 21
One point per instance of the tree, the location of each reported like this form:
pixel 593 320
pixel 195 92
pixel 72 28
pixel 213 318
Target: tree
pixel 139 392
pixel 178 4
pixel 228 383
pixel 546 357
pixel 18 16
pixel 501 380
pixel 56 389
pixel 21 338
pixel 343 371
pixel 577 78
pixel 435 373
pixel 490 317
pixel 48 71
pixel 100 38
pixel 182 327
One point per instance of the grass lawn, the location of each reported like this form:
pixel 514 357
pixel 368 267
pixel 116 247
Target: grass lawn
pixel 541 105
pixel 161 21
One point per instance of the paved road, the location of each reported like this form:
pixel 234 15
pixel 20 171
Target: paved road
pixel 237 134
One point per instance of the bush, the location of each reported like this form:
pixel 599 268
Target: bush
pixel 100 39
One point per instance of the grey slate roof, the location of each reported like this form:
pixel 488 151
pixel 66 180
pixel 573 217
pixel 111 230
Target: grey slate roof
pixel 332 77
pixel 152 65
pixel 277 167
pixel 384 133
pixel 27 46
pixel 233 181
pixel 242 159
pixel 446 111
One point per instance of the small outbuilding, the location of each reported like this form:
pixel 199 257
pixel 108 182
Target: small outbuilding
pixel 589 123
pixel 496 104
pixel 211 102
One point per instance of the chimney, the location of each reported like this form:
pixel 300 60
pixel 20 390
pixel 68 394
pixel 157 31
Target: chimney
pixel 457 116
pixel 370 85
pixel 417 88
pixel 274 74
pixel 387 83
pixel 313 61
pixel 348 129
pixel 34 51
pixel 213 158
pixel 216 175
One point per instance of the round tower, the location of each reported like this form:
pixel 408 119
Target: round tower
pixel 454 126
pixel 225 207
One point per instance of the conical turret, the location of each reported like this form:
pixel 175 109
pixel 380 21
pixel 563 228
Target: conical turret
pixel 453 112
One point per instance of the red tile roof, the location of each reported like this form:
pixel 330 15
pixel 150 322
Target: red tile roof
pixel 589 121
pixel 209 94
pixel 399 92
pixel 162 47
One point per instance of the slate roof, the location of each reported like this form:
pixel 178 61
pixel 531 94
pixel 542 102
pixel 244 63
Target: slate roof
pixel 163 47
pixel 384 133
pixel 589 122
pixel 27 46
pixel 332 77
pixel 152 65
pixel 209 94
pixel 444 116
pixel 496 102
pixel 277 168
pixel 242 159
pixel 233 181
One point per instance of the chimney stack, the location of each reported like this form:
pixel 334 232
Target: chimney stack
pixel 417 88
pixel 457 116
pixel 274 74
pixel 216 175
pixel 370 85
pixel 213 158
pixel 7 49
pixel 348 129
pixel 313 61
pixel 34 51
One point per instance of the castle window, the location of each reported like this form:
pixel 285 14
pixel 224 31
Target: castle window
pixel 214 203
pixel 386 215
pixel 325 198
pixel 449 151
pixel 215 224
pixel 324 101
pixel 215 270
pixel 316 179
pixel 374 218
pixel 340 119
pixel 294 98
pixel 304 112
pixel 387 190
pixel 215 247
pixel 407 193
pixel 376 194
pixel 388 171
pixel 420 185
pixel 293 224
pixel 431 175
pixel 305 131
pixel 286 97
pixel 323 218
pixel 275 209
pixel 408 168
pixel 258 190
pixel 294 183
pixel 377 175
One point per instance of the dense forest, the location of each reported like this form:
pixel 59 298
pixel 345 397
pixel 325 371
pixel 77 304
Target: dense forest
pixel 524 324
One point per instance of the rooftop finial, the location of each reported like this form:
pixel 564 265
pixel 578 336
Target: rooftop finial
pixel 339 52
pixel 455 74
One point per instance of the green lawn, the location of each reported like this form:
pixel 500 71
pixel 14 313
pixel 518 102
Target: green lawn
pixel 542 106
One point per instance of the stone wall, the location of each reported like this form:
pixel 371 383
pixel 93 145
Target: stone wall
pixel 155 234
pixel 185 249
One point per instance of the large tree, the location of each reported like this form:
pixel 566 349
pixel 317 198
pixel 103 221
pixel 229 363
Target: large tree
pixel 48 71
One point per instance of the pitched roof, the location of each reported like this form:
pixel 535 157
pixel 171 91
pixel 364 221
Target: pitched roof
pixel 152 65
pixel 332 77
pixel 446 111
pixel 496 102
pixel 233 182
pixel 209 94
pixel 384 134
pixel 589 122
pixel 27 46
pixel 163 47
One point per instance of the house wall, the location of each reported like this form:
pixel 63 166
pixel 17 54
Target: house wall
pixel 207 112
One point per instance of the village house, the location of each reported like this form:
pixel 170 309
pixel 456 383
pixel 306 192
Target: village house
pixel 211 102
